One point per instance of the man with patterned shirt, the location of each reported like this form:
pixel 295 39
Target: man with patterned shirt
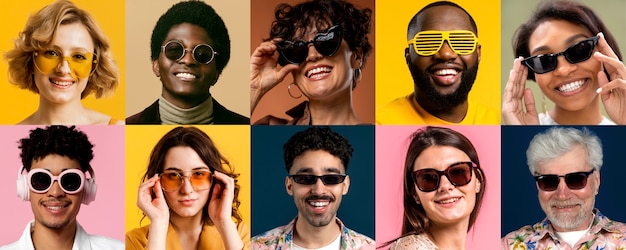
pixel 316 160
pixel 572 221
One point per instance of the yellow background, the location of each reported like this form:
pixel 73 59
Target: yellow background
pixel 18 103
pixel 393 78
pixel 232 141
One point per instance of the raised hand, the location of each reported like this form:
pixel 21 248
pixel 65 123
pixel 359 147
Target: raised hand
pixel 155 208
pixel 613 93
pixel 265 73
pixel 220 210
pixel 517 96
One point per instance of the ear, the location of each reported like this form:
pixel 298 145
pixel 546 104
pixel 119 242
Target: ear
pixel 346 185
pixel 155 68
pixel 478 51
pixel 356 60
pixel 288 185
pixel 477 186
pixel 597 178
pixel 406 54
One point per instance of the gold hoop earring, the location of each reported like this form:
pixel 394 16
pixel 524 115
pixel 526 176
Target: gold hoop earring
pixel 289 91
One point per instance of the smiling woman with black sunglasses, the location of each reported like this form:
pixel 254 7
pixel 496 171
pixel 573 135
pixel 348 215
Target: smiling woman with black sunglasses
pixel 566 48
pixel 324 44
pixel 444 187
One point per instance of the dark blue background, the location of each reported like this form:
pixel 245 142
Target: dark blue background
pixel 273 207
pixel 520 204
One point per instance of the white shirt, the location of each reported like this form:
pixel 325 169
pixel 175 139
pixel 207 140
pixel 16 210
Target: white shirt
pixel 82 241
pixel 545 119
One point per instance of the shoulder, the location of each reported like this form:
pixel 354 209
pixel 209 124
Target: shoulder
pixel 518 236
pixel 398 111
pixel 269 238
pixel 102 242
pixel 222 115
pixel 137 238
pixel 414 241
pixel 149 115
pixel 358 240
pixel 482 114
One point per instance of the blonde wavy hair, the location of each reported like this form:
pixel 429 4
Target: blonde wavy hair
pixel 39 33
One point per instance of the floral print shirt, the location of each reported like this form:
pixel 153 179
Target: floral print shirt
pixel 603 234
pixel 281 238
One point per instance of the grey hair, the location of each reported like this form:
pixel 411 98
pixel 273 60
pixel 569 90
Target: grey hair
pixel 557 141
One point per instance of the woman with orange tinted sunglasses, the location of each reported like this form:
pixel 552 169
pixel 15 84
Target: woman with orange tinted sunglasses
pixel 63 56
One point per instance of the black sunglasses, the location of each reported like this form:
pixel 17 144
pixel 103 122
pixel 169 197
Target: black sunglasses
pixel 328 179
pixel 202 53
pixel 459 174
pixel 580 51
pixel 295 52
pixel 574 181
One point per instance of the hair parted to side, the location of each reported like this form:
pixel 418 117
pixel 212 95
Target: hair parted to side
pixel 565 10
pixel 317 138
pixel 39 33
pixel 197 13
pixel 415 26
pixel 202 144
pixel 414 220
pixel 556 141
pixel 59 140
pixel 293 21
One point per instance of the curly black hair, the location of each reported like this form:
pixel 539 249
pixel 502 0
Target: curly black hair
pixel 56 139
pixel 317 138
pixel 292 21
pixel 197 13
pixel 415 25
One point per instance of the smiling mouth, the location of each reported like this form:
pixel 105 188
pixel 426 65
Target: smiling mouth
pixel 62 83
pixel 185 76
pixel 446 72
pixel 448 201
pixel 572 86
pixel 318 72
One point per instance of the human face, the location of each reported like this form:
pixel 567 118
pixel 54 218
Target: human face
pixel 63 85
pixel 322 77
pixel 570 86
pixel 448 204
pixel 185 202
pixel 569 210
pixel 445 78
pixel 55 209
pixel 318 203
pixel 186 82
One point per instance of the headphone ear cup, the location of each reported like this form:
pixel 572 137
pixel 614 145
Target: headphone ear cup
pixel 22 187
pixel 90 189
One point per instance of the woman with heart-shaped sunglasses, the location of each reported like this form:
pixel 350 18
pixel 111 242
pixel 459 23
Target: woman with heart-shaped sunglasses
pixel 324 45
pixel 566 48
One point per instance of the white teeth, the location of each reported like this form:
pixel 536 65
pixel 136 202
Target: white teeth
pixel 448 201
pixel 62 83
pixel 185 75
pixel 319 203
pixel 571 86
pixel 318 70
pixel 54 208
pixel 442 72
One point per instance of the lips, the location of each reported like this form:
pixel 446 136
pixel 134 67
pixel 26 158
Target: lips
pixel 318 72
pixel 446 74
pixel 571 86
pixel 187 202
pixel 186 76
pixel 448 200
pixel 55 206
pixel 62 83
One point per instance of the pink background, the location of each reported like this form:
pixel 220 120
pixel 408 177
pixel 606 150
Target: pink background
pixel 391 146
pixel 103 216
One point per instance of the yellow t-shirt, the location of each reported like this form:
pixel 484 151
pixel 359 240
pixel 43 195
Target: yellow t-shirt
pixel 405 110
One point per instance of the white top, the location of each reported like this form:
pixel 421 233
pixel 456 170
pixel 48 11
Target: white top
pixel 545 119
pixel 335 245
pixel 82 241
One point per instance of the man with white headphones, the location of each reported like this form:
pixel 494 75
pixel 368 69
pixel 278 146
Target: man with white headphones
pixel 56 160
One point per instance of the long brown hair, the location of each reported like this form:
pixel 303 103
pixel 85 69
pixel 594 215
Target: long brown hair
pixel 202 144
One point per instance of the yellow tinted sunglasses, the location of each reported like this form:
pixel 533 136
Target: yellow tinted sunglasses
pixel 81 64
pixel 429 42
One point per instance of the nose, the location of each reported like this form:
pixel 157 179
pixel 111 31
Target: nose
pixel 445 53
pixel 445 184
pixel 55 190
pixel 64 67
pixel 562 191
pixel 318 187
pixel 313 55
pixel 564 67
pixel 187 58
pixel 186 187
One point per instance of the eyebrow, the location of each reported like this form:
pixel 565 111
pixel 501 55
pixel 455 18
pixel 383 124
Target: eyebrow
pixel 180 170
pixel 72 49
pixel 567 41
pixel 333 170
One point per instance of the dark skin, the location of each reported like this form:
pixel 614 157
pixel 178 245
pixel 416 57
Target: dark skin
pixel 186 82
pixel 442 18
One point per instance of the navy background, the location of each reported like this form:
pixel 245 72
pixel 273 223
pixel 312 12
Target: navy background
pixel 520 203
pixel 273 207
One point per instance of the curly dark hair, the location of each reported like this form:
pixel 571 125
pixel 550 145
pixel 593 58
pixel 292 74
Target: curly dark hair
pixel 56 139
pixel 569 11
pixel 197 13
pixel 415 26
pixel 202 144
pixel 317 138
pixel 293 21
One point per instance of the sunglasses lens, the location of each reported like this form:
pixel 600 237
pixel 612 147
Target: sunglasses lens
pixel 171 181
pixel 463 43
pixel 304 179
pixel 174 51
pixel 547 182
pixel 333 179
pixel 293 52
pixel 81 64
pixel 203 53
pixel 328 43
pixel 541 64
pixel 460 174
pixel 71 182
pixel 580 52
pixel 200 180
pixel 40 181
pixel 427 180
pixel 576 180
pixel 427 44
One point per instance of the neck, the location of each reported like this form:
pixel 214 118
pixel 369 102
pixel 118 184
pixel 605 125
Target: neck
pixel 72 112
pixel 48 238
pixel 184 102
pixel 334 111
pixel 453 114
pixel 450 236
pixel 186 225
pixel 589 115
pixel 308 236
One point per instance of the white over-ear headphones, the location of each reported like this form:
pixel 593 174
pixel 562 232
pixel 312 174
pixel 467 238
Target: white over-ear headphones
pixel 89 188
